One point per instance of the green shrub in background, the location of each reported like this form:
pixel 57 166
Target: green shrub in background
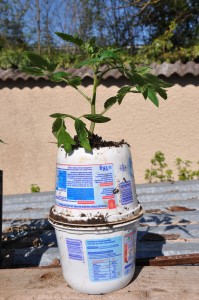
pixel 184 170
pixel 159 172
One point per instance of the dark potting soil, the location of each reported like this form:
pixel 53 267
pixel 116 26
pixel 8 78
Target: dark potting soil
pixel 96 141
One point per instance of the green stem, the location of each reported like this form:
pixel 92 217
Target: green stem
pixel 109 69
pixel 80 91
pixel 106 109
pixel 72 117
pixel 93 106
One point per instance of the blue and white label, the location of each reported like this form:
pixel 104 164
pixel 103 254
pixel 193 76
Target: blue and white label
pixel 75 249
pixel 126 192
pixel 104 258
pixel 85 186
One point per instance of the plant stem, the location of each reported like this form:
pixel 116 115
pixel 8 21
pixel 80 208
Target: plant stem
pixel 106 109
pixel 109 69
pixel 80 91
pixel 93 106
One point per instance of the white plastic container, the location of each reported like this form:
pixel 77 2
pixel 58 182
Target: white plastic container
pixel 97 184
pixel 100 259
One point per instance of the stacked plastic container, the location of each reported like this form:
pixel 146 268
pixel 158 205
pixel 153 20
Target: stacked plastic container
pixel 95 216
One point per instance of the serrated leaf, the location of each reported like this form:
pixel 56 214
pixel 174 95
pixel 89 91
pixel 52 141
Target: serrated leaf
pixel 82 134
pixel 58 76
pixel 138 79
pixel 88 62
pixel 58 115
pixel 65 139
pixel 132 65
pixel 58 123
pixel 33 71
pixel 76 80
pixel 143 70
pixel 152 96
pixel 130 77
pixel 124 89
pixel 97 118
pixel 145 94
pixel 161 92
pixel 70 38
pixel 110 101
pixel 52 67
pixel 120 98
pixel 157 81
pixel 37 61
pixel 108 54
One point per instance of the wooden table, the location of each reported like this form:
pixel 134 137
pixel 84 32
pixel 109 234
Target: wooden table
pixel 179 282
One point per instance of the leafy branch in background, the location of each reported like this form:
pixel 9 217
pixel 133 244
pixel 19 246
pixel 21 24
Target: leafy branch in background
pixel 158 171
pixel 162 49
pixel 184 170
pixel 100 60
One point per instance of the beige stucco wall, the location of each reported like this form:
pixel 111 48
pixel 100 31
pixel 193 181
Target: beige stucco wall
pixel 30 157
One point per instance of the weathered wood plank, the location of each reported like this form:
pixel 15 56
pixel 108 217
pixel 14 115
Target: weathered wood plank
pixel 174 260
pixel 149 283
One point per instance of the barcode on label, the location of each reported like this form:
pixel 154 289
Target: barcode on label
pixel 75 249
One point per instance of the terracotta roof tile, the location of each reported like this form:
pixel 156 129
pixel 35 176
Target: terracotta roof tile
pixel 165 69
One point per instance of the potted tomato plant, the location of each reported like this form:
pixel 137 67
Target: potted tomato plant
pixel 96 209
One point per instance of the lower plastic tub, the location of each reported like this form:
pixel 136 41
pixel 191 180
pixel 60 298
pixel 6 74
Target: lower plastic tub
pixel 97 259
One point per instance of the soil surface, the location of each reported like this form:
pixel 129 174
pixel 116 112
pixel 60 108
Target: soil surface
pixel 97 142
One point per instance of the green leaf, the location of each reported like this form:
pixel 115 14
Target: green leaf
pixel 58 123
pixel 75 81
pixel 161 92
pixel 52 67
pixel 58 115
pixel 157 81
pixel 132 65
pixel 82 134
pixel 124 90
pixel 88 62
pixel 108 54
pixel 59 76
pixel 37 61
pixel 97 118
pixel 110 101
pixel 143 90
pixel 70 38
pixel 143 70
pixel 152 96
pixel 33 71
pixel 120 98
pixel 138 79
pixel 65 139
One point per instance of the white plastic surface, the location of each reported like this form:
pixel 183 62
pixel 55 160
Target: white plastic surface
pixel 97 183
pixel 97 260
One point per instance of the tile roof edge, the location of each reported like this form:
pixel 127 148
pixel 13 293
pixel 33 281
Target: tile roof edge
pixel 164 69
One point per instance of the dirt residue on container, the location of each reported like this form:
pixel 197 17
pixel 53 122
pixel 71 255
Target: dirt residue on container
pixel 99 219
